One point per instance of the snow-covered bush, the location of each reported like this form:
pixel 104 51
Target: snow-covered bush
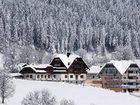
pixel 43 97
pixel 67 102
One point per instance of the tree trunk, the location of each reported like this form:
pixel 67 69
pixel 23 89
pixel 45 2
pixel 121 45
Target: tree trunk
pixel 2 100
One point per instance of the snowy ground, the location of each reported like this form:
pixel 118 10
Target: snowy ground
pixel 86 95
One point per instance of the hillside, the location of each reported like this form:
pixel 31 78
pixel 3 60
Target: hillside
pixel 86 95
pixel 100 27
pixel 97 26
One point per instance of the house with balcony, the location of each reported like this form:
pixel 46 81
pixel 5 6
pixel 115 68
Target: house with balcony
pixel 67 68
pixel 121 76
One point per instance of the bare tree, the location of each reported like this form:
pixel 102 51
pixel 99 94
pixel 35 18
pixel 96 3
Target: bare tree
pixel 67 102
pixel 39 98
pixel 6 86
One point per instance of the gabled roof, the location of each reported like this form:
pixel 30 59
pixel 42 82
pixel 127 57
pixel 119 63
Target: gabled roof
pixel 35 70
pixel 15 74
pixel 94 69
pixel 39 66
pixel 67 61
pixel 122 65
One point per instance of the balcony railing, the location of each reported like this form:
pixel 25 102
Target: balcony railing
pixel 129 80
pixel 133 68
pixel 133 74
pixel 130 86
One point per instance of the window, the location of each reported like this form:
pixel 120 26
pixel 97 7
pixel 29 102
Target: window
pixel 130 71
pixel 54 76
pixel 41 76
pixel 71 76
pixel 27 76
pixel 56 59
pixel 45 76
pixel 57 65
pixel 93 76
pixel 131 78
pixel 38 76
pixel 48 76
pixel 66 76
pixel 82 76
pixel 31 76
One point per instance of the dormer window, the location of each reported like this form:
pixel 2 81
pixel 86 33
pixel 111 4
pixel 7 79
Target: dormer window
pixel 57 65
pixel 56 59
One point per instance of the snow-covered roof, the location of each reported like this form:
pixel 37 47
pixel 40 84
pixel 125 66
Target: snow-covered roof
pixel 41 65
pixel 67 60
pixel 94 69
pixel 40 71
pixel 122 65
pixel 20 66
pixel 33 67
pixel 137 62
pixel 15 74
pixel 38 65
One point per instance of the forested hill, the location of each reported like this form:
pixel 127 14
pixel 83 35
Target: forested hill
pixel 58 26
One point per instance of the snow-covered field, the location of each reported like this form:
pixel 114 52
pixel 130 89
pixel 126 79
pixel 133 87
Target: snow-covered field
pixel 86 95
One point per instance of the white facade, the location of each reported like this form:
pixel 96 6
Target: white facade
pixel 38 76
pixel 56 77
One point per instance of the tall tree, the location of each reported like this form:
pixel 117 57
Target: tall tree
pixel 6 86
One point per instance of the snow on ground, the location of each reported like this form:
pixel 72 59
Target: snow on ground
pixel 86 95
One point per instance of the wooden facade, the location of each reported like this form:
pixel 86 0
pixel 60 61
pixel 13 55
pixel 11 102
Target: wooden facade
pixel 78 66
pixel 111 78
pixel 125 77
pixel 74 72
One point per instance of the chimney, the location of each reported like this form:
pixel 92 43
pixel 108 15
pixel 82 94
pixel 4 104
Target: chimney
pixel 68 54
